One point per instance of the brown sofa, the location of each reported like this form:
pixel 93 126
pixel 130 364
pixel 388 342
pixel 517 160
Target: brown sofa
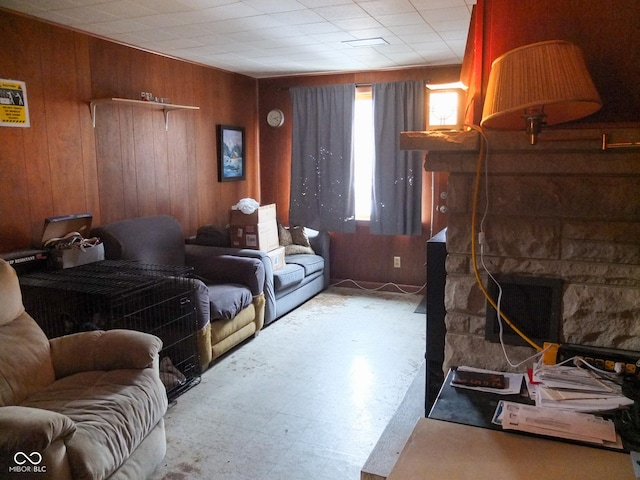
pixel 83 406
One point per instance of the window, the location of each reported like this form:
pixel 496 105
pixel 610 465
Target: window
pixel 444 108
pixel 363 151
pixel 443 114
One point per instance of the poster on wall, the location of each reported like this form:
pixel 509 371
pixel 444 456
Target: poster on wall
pixel 14 111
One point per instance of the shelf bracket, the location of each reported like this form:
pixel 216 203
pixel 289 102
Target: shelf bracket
pixel 92 106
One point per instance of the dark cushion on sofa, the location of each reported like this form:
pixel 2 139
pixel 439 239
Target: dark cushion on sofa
pixel 310 263
pixel 213 236
pixel 227 300
pixel 287 276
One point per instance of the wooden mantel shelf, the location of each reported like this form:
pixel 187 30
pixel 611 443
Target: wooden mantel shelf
pixel 165 107
pixel 452 141
pixel 558 151
pixel 556 139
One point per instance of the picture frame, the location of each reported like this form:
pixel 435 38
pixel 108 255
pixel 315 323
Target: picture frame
pixel 232 161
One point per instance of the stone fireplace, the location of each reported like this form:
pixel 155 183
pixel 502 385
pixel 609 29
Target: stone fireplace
pixel 563 208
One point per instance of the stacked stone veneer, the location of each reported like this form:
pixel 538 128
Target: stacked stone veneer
pixel 561 208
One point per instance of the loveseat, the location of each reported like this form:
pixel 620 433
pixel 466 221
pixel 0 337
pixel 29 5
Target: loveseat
pixel 303 276
pixel 88 405
pixel 229 300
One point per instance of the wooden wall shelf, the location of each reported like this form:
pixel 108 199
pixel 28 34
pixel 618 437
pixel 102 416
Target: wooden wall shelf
pixel 165 107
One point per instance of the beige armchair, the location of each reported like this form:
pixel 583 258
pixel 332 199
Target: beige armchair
pixel 88 405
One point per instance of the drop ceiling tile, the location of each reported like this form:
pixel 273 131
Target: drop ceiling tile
pixel 116 26
pixel 36 6
pixel 401 19
pixel 162 20
pixel 318 28
pixel 163 6
pixel 324 3
pixel 371 33
pixel 275 6
pixel 301 17
pixel 85 14
pixel 445 14
pixel 386 7
pixel 419 28
pixel 360 23
pixel 436 4
pixel 341 12
pixel 124 9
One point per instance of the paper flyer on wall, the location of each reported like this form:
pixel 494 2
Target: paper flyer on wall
pixel 14 110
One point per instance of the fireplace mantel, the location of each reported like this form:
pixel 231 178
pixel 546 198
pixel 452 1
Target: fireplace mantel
pixel 457 151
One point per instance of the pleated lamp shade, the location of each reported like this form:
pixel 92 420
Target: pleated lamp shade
pixel 549 79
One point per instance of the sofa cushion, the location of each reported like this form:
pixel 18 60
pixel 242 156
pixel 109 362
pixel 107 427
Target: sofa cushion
pixel 290 274
pixel 310 263
pixel 113 411
pixel 227 300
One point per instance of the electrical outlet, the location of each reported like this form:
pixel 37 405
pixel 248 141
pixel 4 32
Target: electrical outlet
pixel 396 262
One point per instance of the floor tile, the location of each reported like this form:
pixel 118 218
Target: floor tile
pixel 305 400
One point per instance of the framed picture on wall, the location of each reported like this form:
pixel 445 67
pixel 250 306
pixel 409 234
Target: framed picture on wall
pixel 232 162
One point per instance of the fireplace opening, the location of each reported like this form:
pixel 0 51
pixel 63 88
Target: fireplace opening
pixel 532 304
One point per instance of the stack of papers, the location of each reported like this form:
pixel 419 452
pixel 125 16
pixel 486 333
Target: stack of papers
pixel 553 422
pixel 576 389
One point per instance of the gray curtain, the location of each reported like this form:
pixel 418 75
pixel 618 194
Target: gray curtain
pixel 397 176
pixel 322 158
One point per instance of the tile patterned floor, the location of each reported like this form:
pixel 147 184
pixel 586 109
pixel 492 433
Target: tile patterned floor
pixel 307 399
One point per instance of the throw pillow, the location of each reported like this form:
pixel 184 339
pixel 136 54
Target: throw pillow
pixel 294 240
pixel 284 236
pixel 213 236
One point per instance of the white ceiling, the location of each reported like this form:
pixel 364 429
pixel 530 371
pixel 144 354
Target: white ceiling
pixel 266 38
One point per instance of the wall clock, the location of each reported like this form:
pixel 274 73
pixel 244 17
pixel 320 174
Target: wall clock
pixel 275 118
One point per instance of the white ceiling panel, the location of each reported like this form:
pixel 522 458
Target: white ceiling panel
pixel 263 38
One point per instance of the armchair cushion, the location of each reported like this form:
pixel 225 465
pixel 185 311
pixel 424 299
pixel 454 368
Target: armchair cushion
pixel 112 410
pixel 103 350
pixel 26 367
pixel 227 300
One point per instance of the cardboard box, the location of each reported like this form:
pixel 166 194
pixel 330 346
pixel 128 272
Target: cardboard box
pixel 277 258
pixel 73 257
pixel 58 228
pixel 260 215
pixel 262 236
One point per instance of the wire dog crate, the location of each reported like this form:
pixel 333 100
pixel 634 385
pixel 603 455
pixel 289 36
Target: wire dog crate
pixel 110 294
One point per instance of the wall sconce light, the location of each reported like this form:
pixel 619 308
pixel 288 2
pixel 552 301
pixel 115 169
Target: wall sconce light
pixel 543 83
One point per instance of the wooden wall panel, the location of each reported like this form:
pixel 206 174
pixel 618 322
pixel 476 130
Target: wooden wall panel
pixel 23 150
pixel 129 165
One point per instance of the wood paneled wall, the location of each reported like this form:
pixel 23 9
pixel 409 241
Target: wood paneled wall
pixel 128 165
pixel 360 256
